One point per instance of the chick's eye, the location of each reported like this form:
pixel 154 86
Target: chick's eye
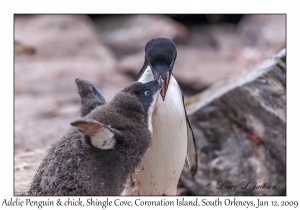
pixel 147 93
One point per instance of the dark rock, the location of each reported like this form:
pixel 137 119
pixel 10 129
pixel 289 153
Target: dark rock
pixel 243 123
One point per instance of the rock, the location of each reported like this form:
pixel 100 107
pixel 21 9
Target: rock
pixel 240 130
pixel 46 100
pixel 26 166
pixel 211 53
pixel 126 34
pixel 263 31
pixel 20 48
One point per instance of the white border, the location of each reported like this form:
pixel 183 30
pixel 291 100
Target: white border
pixel 8 8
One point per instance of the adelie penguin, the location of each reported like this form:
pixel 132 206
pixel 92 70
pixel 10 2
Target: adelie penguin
pixel 173 138
pixel 105 146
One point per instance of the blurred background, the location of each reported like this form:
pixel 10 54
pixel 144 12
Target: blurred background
pixel 108 50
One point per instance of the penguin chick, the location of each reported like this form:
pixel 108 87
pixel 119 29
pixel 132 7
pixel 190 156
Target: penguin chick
pixel 118 135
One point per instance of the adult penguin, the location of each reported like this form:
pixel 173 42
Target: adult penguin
pixel 173 137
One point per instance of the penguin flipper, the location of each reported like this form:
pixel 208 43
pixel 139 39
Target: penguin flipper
pixel 100 135
pixel 192 156
pixel 90 96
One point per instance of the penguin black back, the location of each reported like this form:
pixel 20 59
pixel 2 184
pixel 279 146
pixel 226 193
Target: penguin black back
pixel 96 156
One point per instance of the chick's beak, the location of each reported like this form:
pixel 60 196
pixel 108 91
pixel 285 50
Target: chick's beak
pixel 160 81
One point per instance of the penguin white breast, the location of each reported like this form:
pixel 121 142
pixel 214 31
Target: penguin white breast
pixel 161 167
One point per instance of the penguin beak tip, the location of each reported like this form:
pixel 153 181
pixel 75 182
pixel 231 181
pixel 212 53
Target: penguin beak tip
pixel 163 97
pixel 164 88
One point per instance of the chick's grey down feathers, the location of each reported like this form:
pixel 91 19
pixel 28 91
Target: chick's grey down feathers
pixel 75 168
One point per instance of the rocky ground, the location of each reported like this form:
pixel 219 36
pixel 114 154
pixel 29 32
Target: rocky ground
pixel 52 50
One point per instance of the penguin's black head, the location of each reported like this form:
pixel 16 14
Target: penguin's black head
pixel 160 55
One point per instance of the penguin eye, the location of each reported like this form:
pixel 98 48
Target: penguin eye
pixel 147 93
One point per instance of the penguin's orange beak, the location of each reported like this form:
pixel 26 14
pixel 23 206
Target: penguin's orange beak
pixel 164 88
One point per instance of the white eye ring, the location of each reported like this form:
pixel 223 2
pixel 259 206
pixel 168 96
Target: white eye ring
pixel 147 93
